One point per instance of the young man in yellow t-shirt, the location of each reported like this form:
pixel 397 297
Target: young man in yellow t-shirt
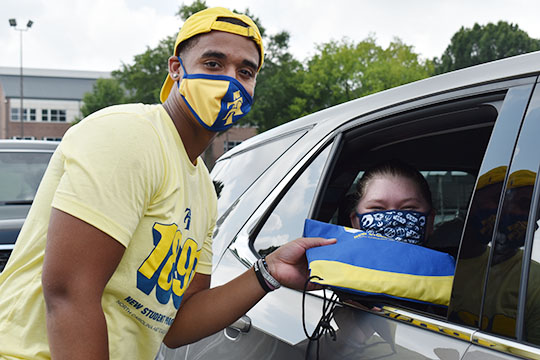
pixel 122 221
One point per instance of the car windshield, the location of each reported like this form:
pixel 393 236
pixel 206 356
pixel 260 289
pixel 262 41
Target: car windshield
pixel 20 175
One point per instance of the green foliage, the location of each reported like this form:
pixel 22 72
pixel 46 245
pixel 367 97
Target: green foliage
pixel 342 71
pixel 277 83
pixel 186 11
pixel 286 88
pixel 144 78
pixel 105 92
pixel 484 43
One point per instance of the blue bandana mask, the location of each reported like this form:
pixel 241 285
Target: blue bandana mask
pixel 216 101
pixel 400 225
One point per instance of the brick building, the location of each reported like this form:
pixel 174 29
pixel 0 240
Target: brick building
pixel 52 100
pixel 226 141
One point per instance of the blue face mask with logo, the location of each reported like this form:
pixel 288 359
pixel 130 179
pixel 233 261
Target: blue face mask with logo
pixel 216 101
pixel 400 225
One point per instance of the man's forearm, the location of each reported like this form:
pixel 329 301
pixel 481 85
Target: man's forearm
pixel 214 309
pixel 76 331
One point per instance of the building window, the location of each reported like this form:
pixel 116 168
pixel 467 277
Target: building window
pixel 52 138
pixel 15 114
pixel 58 115
pixel 28 114
pixel 44 115
pixel 228 145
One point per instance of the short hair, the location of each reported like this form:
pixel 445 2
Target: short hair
pixel 393 167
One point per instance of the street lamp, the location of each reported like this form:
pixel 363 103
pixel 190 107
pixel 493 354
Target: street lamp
pixel 13 23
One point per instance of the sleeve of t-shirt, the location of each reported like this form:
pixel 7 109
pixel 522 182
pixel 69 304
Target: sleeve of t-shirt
pixel 112 168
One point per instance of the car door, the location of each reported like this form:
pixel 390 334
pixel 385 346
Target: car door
pixel 456 133
pixel 511 280
pixel 400 330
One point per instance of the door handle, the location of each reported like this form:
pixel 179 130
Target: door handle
pixel 243 324
pixel 233 331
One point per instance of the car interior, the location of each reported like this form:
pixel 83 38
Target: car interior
pixel 446 143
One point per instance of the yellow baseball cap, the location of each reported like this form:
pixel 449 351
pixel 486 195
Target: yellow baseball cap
pixel 207 20
pixel 493 176
pixel 516 179
pixel 521 178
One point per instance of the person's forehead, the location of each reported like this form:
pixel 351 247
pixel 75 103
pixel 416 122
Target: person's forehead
pixel 227 43
pixel 380 188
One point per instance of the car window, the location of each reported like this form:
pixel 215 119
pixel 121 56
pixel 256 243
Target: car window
pixel 454 146
pixel 21 174
pixel 472 262
pixel 514 221
pixel 286 221
pixel 532 307
pixel 250 164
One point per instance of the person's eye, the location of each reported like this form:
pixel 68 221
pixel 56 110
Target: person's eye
pixel 411 208
pixel 247 73
pixel 212 64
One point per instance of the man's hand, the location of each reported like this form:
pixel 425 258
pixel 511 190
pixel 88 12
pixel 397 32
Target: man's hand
pixel 288 264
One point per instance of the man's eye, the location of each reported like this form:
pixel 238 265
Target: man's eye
pixel 211 64
pixel 247 73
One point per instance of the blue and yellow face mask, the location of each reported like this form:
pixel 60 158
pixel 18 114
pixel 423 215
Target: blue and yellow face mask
pixel 216 101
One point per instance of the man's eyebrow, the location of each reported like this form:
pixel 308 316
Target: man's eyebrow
pixel 220 55
pixel 250 64
pixel 214 54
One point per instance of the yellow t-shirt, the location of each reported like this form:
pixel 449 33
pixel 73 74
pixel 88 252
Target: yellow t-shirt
pixel 125 171
pixel 500 304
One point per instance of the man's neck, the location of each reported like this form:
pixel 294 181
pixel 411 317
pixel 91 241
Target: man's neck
pixel 194 137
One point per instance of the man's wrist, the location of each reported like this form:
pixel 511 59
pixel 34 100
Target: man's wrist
pixel 266 280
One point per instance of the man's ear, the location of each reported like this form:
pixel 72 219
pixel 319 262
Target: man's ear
pixel 175 69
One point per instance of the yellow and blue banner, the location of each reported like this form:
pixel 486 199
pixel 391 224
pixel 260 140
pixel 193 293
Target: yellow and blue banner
pixel 371 264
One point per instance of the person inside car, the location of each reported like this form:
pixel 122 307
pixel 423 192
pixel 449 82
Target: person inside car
pixel 393 199
pixel 116 253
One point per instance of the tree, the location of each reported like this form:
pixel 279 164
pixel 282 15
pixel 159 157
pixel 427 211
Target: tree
pixel 186 11
pixel 342 71
pixel 484 43
pixel 278 82
pixel 105 92
pixel 143 79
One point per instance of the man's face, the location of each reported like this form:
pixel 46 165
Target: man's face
pixel 222 53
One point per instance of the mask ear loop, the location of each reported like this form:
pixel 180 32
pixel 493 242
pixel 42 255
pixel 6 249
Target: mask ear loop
pixel 323 326
pixel 182 65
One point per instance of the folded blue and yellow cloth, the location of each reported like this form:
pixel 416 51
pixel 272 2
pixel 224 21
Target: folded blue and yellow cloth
pixel 371 264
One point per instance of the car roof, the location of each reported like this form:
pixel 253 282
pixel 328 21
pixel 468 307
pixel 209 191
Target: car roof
pixel 28 145
pixel 510 68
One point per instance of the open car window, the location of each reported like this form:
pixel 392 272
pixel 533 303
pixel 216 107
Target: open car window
pixel 447 143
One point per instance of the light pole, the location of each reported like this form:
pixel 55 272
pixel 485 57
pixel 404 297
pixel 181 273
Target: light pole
pixel 13 23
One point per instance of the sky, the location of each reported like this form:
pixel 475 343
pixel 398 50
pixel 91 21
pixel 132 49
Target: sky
pixel 101 35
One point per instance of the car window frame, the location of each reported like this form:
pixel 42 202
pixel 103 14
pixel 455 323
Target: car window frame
pixel 488 340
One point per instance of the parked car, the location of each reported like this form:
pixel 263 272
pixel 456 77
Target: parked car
pixel 22 165
pixel 467 131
